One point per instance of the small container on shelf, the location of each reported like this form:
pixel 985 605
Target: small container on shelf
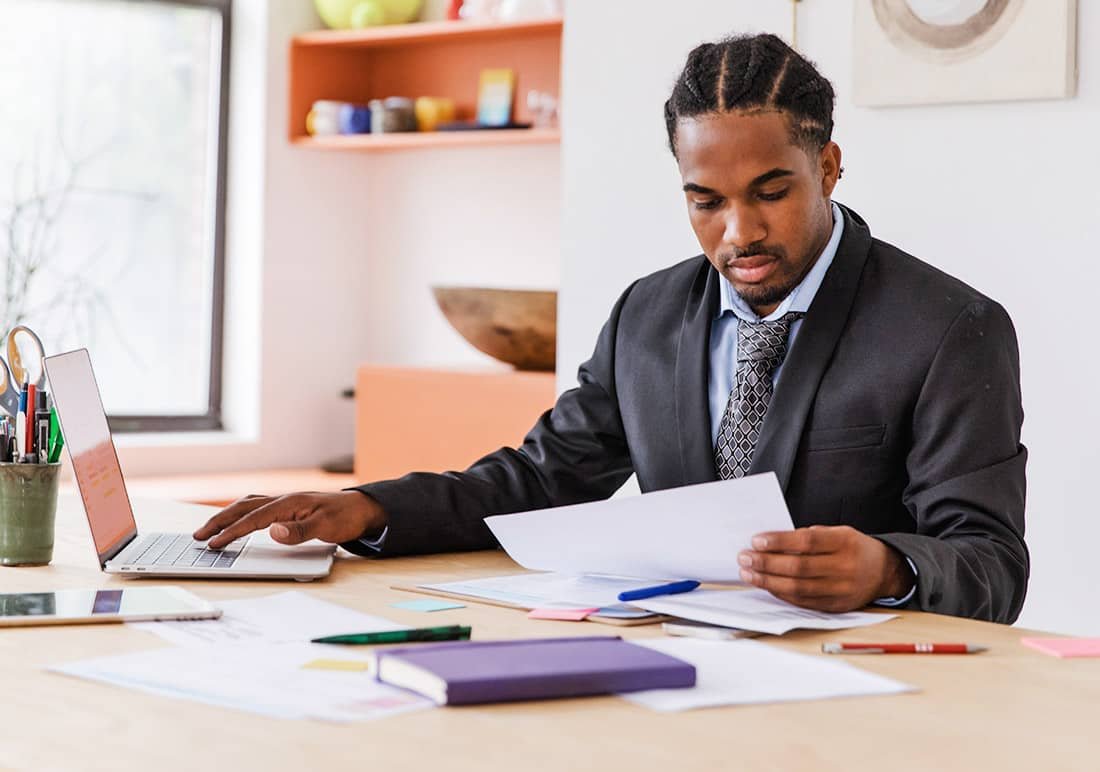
pixel 354 119
pixel 432 111
pixel 543 108
pixel 392 114
pixel 324 118
pixel 329 117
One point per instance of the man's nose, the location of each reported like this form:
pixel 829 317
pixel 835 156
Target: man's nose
pixel 743 228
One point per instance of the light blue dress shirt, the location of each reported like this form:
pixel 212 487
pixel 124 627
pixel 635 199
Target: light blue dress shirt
pixel 732 310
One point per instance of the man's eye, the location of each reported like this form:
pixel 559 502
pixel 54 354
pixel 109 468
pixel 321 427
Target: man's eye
pixel 773 196
pixel 711 203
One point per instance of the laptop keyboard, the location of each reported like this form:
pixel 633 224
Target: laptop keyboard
pixel 178 549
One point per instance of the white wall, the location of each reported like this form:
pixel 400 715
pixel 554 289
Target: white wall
pixel 1001 195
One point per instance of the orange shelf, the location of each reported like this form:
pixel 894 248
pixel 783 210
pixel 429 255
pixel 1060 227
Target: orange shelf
pixel 426 32
pixel 381 143
pixel 440 59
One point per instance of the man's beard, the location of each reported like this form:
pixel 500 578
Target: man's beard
pixel 766 295
pixel 763 295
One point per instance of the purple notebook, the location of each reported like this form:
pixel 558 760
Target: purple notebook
pixel 468 672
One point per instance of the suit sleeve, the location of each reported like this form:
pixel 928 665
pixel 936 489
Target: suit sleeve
pixel 576 452
pixel 966 472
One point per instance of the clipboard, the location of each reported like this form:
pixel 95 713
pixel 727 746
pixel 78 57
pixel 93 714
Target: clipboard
pixel 603 620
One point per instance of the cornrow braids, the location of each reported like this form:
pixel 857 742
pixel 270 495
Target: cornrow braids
pixel 754 72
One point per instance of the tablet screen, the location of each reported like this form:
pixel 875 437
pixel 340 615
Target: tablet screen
pixel 114 605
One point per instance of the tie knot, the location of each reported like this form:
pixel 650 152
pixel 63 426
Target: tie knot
pixel 765 341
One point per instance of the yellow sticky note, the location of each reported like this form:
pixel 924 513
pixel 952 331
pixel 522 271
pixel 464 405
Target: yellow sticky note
pixel 351 665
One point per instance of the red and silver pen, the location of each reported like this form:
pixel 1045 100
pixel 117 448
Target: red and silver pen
pixel 901 648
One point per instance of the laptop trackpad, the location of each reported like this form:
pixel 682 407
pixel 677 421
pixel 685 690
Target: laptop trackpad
pixel 262 547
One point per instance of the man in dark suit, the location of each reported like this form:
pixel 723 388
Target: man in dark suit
pixel 883 393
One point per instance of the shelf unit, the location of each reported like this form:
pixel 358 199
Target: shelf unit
pixel 428 418
pixel 423 59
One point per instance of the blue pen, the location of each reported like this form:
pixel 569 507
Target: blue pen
pixel 671 588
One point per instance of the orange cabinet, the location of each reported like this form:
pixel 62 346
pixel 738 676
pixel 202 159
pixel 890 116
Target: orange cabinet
pixel 420 420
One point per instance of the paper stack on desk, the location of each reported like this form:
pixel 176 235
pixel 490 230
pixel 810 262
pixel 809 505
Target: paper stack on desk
pixel 548 590
pixel 257 658
pixel 272 679
pixel 750 672
pixel 285 617
pixel 756 610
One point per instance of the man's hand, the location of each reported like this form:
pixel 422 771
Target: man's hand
pixel 825 568
pixel 296 517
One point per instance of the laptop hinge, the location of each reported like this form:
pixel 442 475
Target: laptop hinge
pixel 112 552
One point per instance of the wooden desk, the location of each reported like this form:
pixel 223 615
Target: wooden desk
pixel 1008 709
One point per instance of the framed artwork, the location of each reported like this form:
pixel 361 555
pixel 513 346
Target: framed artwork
pixel 910 52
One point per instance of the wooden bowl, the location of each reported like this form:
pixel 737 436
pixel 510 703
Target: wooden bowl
pixel 519 327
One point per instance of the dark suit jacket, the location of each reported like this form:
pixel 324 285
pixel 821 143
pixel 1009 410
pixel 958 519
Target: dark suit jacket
pixel 898 412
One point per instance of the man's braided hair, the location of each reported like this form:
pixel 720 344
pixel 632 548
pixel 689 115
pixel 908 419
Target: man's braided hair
pixel 754 73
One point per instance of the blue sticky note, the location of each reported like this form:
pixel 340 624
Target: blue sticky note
pixel 427 604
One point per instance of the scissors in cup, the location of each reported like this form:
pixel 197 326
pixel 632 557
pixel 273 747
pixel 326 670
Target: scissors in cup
pixel 12 378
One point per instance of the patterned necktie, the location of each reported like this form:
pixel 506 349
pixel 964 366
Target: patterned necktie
pixel 761 348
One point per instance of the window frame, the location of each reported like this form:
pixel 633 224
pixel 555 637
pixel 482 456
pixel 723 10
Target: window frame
pixel 211 420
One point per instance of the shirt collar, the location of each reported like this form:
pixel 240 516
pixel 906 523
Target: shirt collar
pixel 801 296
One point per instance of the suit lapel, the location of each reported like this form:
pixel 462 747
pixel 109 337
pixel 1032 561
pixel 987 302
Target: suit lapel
pixel 813 348
pixel 692 373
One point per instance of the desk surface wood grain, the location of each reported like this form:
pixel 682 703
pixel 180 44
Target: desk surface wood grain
pixel 1008 709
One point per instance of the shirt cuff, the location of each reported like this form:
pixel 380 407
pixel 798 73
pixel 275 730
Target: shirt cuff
pixel 889 602
pixel 377 544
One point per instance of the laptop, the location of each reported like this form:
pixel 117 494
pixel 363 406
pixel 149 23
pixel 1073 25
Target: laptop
pixel 121 549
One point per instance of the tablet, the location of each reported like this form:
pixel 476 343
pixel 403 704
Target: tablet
pixel 72 607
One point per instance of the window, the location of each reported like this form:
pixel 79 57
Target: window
pixel 112 195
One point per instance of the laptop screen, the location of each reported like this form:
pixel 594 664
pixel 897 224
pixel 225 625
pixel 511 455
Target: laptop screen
pixel 88 440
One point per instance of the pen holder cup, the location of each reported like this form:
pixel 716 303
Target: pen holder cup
pixel 28 508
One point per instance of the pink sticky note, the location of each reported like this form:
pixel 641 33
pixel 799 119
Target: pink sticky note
pixel 1065 647
pixel 562 614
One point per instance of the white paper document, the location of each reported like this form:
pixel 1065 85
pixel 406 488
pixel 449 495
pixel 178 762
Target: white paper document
pixel 532 591
pixel 749 672
pixel 755 609
pixel 693 532
pixel 292 616
pixel 261 678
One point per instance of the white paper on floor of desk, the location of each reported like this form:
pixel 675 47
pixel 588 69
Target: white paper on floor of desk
pixel 691 532
pixel 264 678
pixel 542 589
pixel 755 609
pixel 750 672
pixel 283 617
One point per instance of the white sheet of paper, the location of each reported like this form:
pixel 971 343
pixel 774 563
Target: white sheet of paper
pixel 283 617
pixel 747 672
pixel 754 609
pixel 692 532
pixel 532 591
pixel 261 678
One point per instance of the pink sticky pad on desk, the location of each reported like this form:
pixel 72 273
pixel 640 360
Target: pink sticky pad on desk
pixel 1065 647
pixel 562 614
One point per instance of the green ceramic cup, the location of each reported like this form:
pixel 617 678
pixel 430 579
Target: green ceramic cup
pixel 28 508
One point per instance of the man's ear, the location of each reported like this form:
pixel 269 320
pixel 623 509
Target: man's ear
pixel 831 170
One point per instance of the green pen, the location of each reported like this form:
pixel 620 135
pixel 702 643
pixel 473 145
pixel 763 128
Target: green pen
pixel 445 633
pixel 56 441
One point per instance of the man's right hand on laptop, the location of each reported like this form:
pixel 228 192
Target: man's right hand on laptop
pixel 296 518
